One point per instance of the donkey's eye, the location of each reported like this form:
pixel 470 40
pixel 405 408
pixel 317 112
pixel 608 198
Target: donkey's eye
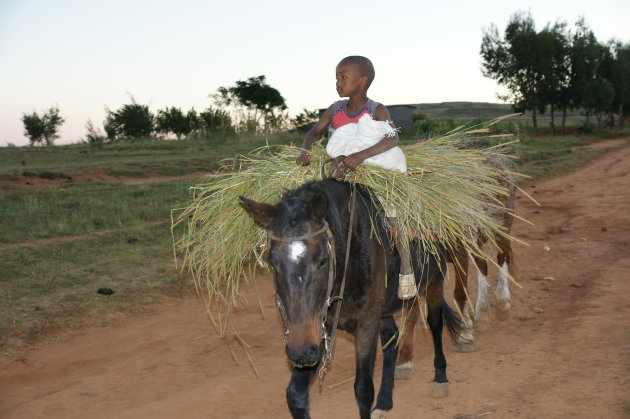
pixel 322 263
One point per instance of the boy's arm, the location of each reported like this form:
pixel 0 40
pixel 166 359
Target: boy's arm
pixel 355 159
pixel 304 159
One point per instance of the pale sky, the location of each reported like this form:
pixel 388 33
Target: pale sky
pixel 85 55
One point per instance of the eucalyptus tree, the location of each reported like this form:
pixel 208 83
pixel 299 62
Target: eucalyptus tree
pixel 586 58
pixel 616 68
pixel 520 60
pixel 555 41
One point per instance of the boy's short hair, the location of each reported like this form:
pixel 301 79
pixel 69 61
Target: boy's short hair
pixel 364 64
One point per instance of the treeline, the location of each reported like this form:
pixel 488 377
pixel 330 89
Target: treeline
pixel 250 105
pixel 558 69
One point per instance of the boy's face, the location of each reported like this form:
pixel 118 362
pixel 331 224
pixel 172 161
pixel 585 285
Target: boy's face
pixel 349 79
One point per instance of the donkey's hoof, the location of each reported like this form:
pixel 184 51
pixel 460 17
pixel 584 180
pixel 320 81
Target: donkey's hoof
pixel 378 414
pixel 502 315
pixel 482 320
pixel 465 347
pixel 440 390
pixel 403 371
pixel 503 309
pixel 482 325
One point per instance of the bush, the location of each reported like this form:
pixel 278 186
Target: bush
pixel 586 127
pixel 94 135
pixel 132 121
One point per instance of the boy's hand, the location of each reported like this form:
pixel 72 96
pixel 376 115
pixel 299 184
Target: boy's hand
pixel 354 160
pixel 303 159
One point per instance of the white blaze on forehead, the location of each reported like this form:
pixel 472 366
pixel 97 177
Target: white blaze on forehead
pixel 297 250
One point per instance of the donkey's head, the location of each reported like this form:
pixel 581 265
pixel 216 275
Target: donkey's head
pixel 301 256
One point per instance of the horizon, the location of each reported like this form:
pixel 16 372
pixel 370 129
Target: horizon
pixel 85 57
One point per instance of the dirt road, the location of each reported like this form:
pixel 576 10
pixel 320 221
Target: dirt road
pixel 563 353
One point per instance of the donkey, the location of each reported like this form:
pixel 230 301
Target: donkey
pixel 459 258
pixel 324 281
pixel 505 262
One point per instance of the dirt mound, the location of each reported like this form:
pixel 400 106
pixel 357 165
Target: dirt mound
pixel 564 352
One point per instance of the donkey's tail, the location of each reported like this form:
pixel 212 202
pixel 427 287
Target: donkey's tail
pixel 453 322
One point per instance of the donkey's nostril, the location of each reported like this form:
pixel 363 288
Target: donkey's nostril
pixel 308 355
pixel 311 353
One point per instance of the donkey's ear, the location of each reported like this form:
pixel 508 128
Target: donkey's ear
pixel 263 213
pixel 319 204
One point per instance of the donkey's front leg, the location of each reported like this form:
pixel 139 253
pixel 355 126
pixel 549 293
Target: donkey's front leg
pixel 297 391
pixel 365 347
pixel 384 401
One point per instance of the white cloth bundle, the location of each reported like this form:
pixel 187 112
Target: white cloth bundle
pixel 355 137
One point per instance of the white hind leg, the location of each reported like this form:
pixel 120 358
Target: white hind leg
pixel 502 293
pixel 466 341
pixel 481 308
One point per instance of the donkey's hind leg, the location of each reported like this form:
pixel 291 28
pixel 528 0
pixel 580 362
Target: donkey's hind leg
pixel 483 305
pixel 404 363
pixel 466 341
pixel 438 311
pixel 384 401
pixel 506 265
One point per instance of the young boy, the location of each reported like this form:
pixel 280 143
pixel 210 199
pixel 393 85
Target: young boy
pixel 354 77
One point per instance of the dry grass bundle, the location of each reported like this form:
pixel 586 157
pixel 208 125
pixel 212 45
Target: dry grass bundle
pixel 447 196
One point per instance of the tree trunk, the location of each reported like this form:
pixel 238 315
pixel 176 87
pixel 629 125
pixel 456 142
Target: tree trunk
pixel 534 119
pixel 611 122
pixel 564 117
pixel 620 113
pixel 553 122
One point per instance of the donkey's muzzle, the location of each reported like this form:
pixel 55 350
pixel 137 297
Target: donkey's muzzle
pixel 306 356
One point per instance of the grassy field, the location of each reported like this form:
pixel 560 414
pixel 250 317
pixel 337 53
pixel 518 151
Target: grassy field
pixel 470 111
pixel 75 209
pixel 58 245
pixel 134 158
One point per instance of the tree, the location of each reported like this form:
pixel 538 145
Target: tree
pixel 305 119
pixel 33 127
pixel 619 76
pixel 132 121
pixel 555 82
pixel 172 120
pixel 215 120
pixel 599 98
pixel 94 135
pixel 43 128
pixel 193 120
pixel 253 102
pixel 586 57
pixel 519 60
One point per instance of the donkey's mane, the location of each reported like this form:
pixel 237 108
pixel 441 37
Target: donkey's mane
pixel 294 207
pixel 295 202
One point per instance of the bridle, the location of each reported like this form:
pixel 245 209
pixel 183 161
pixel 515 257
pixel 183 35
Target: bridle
pixel 332 262
pixel 329 341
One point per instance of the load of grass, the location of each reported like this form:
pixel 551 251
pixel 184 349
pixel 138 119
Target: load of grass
pixel 448 196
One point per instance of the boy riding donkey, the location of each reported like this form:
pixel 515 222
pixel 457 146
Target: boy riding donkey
pixel 364 134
